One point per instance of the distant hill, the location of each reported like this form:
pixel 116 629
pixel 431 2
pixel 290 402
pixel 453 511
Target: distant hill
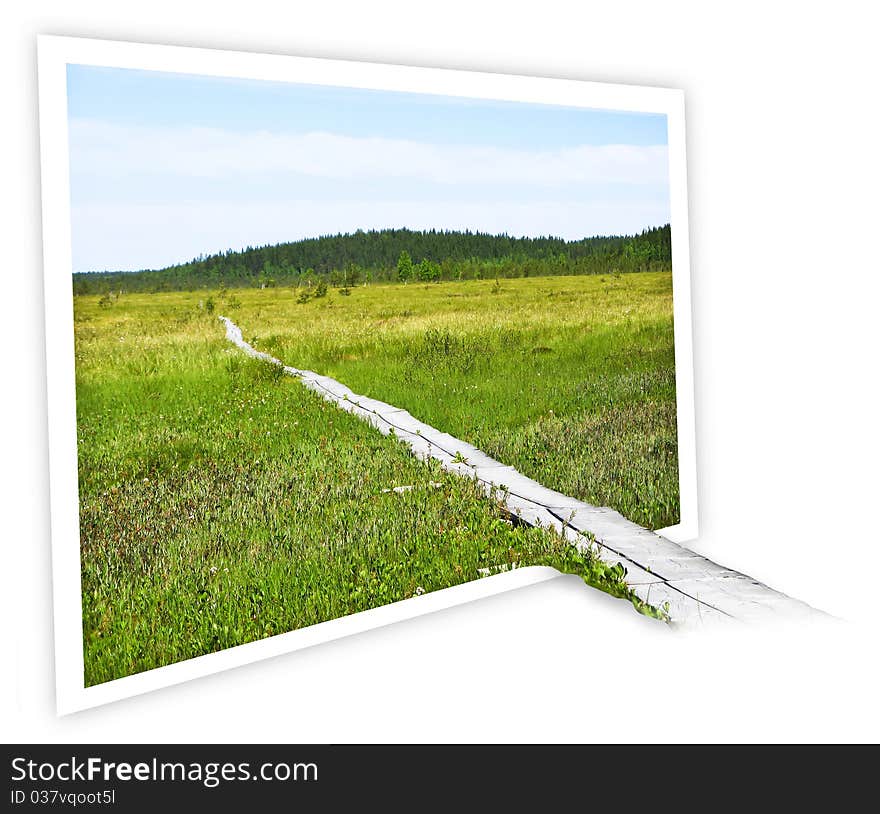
pixel 435 255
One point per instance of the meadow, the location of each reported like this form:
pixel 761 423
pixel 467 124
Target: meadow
pixel 569 379
pixel 221 502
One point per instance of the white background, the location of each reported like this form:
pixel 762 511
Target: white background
pixel 784 185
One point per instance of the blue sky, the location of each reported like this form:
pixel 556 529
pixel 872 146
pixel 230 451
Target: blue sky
pixel 166 166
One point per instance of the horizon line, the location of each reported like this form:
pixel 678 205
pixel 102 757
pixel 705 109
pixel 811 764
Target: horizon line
pixel 230 251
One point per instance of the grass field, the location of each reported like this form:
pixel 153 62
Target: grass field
pixel 569 379
pixel 221 502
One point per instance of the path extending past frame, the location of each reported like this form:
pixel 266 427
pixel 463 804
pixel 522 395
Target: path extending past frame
pixel 692 589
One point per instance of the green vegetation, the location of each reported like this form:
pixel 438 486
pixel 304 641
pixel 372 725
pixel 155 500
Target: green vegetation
pixel 221 502
pixel 569 379
pixel 396 254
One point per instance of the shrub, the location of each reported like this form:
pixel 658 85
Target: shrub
pixel 404 266
pixel 428 271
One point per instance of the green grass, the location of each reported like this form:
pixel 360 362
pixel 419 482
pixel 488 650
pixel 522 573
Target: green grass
pixel 221 502
pixel 569 379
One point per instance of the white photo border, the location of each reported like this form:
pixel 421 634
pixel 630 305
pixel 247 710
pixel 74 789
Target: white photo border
pixel 55 53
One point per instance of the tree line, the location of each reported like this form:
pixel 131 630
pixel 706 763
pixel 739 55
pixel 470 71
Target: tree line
pixel 403 255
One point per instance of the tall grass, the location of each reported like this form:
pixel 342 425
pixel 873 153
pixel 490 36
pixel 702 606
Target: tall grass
pixel 221 502
pixel 569 379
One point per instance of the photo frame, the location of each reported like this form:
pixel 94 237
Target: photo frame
pixel 55 54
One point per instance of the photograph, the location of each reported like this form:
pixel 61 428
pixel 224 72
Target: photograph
pixel 410 403
pixel 337 348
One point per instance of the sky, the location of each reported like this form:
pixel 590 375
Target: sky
pixel 165 167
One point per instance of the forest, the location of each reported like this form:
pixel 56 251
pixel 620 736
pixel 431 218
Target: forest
pixel 394 255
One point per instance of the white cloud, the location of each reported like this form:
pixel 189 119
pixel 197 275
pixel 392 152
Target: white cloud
pixel 247 198
pixel 100 148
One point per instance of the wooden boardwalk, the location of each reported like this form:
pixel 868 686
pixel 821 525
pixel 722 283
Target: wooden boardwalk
pixel 690 588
